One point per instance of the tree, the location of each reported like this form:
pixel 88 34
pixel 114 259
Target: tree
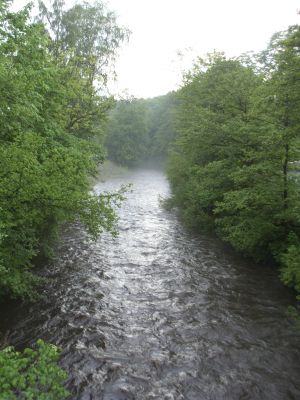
pixel 235 162
pixel 265 201
pixel 46 162
pixel 85 40
pixel 211 118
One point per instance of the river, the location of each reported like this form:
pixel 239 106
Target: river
pixel 162 313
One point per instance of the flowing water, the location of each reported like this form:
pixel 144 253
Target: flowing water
pixel 162 313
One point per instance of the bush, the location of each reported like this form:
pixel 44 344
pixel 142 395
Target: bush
pixel 32 374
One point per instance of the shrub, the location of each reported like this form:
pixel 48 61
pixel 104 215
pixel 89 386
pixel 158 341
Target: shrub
pixel 32 374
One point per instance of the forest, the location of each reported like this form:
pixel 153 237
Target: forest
pixel 235 161
pixel 228 137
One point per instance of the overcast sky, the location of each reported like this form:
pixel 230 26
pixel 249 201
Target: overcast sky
pixel 149 65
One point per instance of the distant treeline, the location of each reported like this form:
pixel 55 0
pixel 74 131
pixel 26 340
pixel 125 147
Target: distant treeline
pixel 140 130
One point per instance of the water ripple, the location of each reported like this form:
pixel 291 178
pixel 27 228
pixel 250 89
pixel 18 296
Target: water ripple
pixel 160 313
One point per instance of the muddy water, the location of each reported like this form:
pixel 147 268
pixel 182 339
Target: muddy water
pixel 162 313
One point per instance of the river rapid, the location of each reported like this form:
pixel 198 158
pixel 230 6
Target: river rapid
pixel 162 313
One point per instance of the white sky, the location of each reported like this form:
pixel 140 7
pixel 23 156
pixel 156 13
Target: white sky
pixel 149 65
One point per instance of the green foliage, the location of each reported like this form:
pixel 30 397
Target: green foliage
pixel 32 374
pixel 52 124
pixel 290 272
pixel 290 261
pixel 212 111
pixel 86 37
pixel 235 161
